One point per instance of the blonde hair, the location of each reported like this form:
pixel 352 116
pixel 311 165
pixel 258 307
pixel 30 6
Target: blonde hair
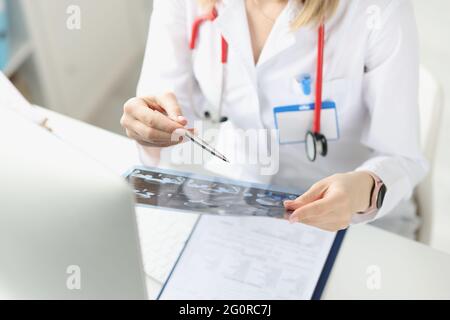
pixel 313 12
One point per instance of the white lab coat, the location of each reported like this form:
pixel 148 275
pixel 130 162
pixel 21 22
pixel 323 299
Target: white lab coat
pixel 371 72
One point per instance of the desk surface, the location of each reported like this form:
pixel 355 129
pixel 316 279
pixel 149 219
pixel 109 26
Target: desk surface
pixel 372 264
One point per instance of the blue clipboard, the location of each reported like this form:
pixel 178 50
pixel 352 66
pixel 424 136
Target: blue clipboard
pixel 323 278
pixel 329 262
pixel 328 266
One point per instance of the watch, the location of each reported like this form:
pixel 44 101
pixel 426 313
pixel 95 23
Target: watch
pixel 377 194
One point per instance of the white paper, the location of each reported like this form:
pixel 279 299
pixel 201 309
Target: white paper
pixel 249 258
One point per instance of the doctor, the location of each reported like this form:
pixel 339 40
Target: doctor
pixel 338 79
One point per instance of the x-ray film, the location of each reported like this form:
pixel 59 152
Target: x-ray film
pixel 205 195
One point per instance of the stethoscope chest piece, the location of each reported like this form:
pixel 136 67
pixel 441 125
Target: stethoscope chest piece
pixel 218 119
pixel 315 143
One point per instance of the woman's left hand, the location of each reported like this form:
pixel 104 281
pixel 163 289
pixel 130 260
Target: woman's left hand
pixel 330 203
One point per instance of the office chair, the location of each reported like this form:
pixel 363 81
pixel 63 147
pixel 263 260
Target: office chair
pixel 431 102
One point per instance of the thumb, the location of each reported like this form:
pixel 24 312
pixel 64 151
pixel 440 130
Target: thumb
pixel 171 106
pixel 313 194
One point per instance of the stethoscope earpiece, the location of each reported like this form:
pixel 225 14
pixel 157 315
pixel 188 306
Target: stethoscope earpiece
pixel 315 143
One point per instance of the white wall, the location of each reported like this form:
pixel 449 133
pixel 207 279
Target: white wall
pixel 81 67
pixel 434 29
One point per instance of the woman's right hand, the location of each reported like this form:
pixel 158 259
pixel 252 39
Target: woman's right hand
pixel 151 121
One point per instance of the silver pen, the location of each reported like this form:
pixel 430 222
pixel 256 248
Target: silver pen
pixel 205 146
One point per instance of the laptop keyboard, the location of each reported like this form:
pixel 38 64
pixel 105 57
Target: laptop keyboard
pixel 162 235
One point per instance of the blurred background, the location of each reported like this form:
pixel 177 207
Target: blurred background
pixel 88 71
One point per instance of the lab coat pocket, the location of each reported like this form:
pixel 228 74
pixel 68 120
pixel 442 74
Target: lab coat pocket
pixel 337 90
pixel 294 121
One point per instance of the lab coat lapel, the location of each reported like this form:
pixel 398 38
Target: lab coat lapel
pixel 233 24
pixel 282 36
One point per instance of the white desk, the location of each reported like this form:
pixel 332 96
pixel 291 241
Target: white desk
pixel 407 270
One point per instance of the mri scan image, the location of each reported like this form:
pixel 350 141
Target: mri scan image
pixel 205 195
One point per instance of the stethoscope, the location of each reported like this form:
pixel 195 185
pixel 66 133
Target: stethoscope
pixel 315 142
pixel 215 117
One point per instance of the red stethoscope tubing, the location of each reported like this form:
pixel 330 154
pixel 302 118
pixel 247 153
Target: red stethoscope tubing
pixel 319 79
pixel 195 31
pixel 320 60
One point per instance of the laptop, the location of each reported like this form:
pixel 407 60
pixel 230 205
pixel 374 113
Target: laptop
pixel 67 226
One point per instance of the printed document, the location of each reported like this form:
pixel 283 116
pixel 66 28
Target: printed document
pixel 249 258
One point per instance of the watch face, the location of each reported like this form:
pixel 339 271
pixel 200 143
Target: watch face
pixel 381 195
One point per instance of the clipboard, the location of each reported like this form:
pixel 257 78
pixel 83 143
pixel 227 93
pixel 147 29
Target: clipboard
pixel 320 285
pixel 325 268
pixel 328 266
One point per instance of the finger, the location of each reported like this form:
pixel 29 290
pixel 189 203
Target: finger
pixel 134 105
pixel 139 108
pixel 326 218
pixel 325 222
pixel 133 135
pixel 330 227
pixel 145 144
pixel 317 208
pixel 149 102
pixel 170 104
pixel 156 120
pixel 149 143
pixel 182 120
pixel 313 194
pixel 138 131
pixel 151 134
pixel 316 224
pixel 155 104
pixel 328 222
